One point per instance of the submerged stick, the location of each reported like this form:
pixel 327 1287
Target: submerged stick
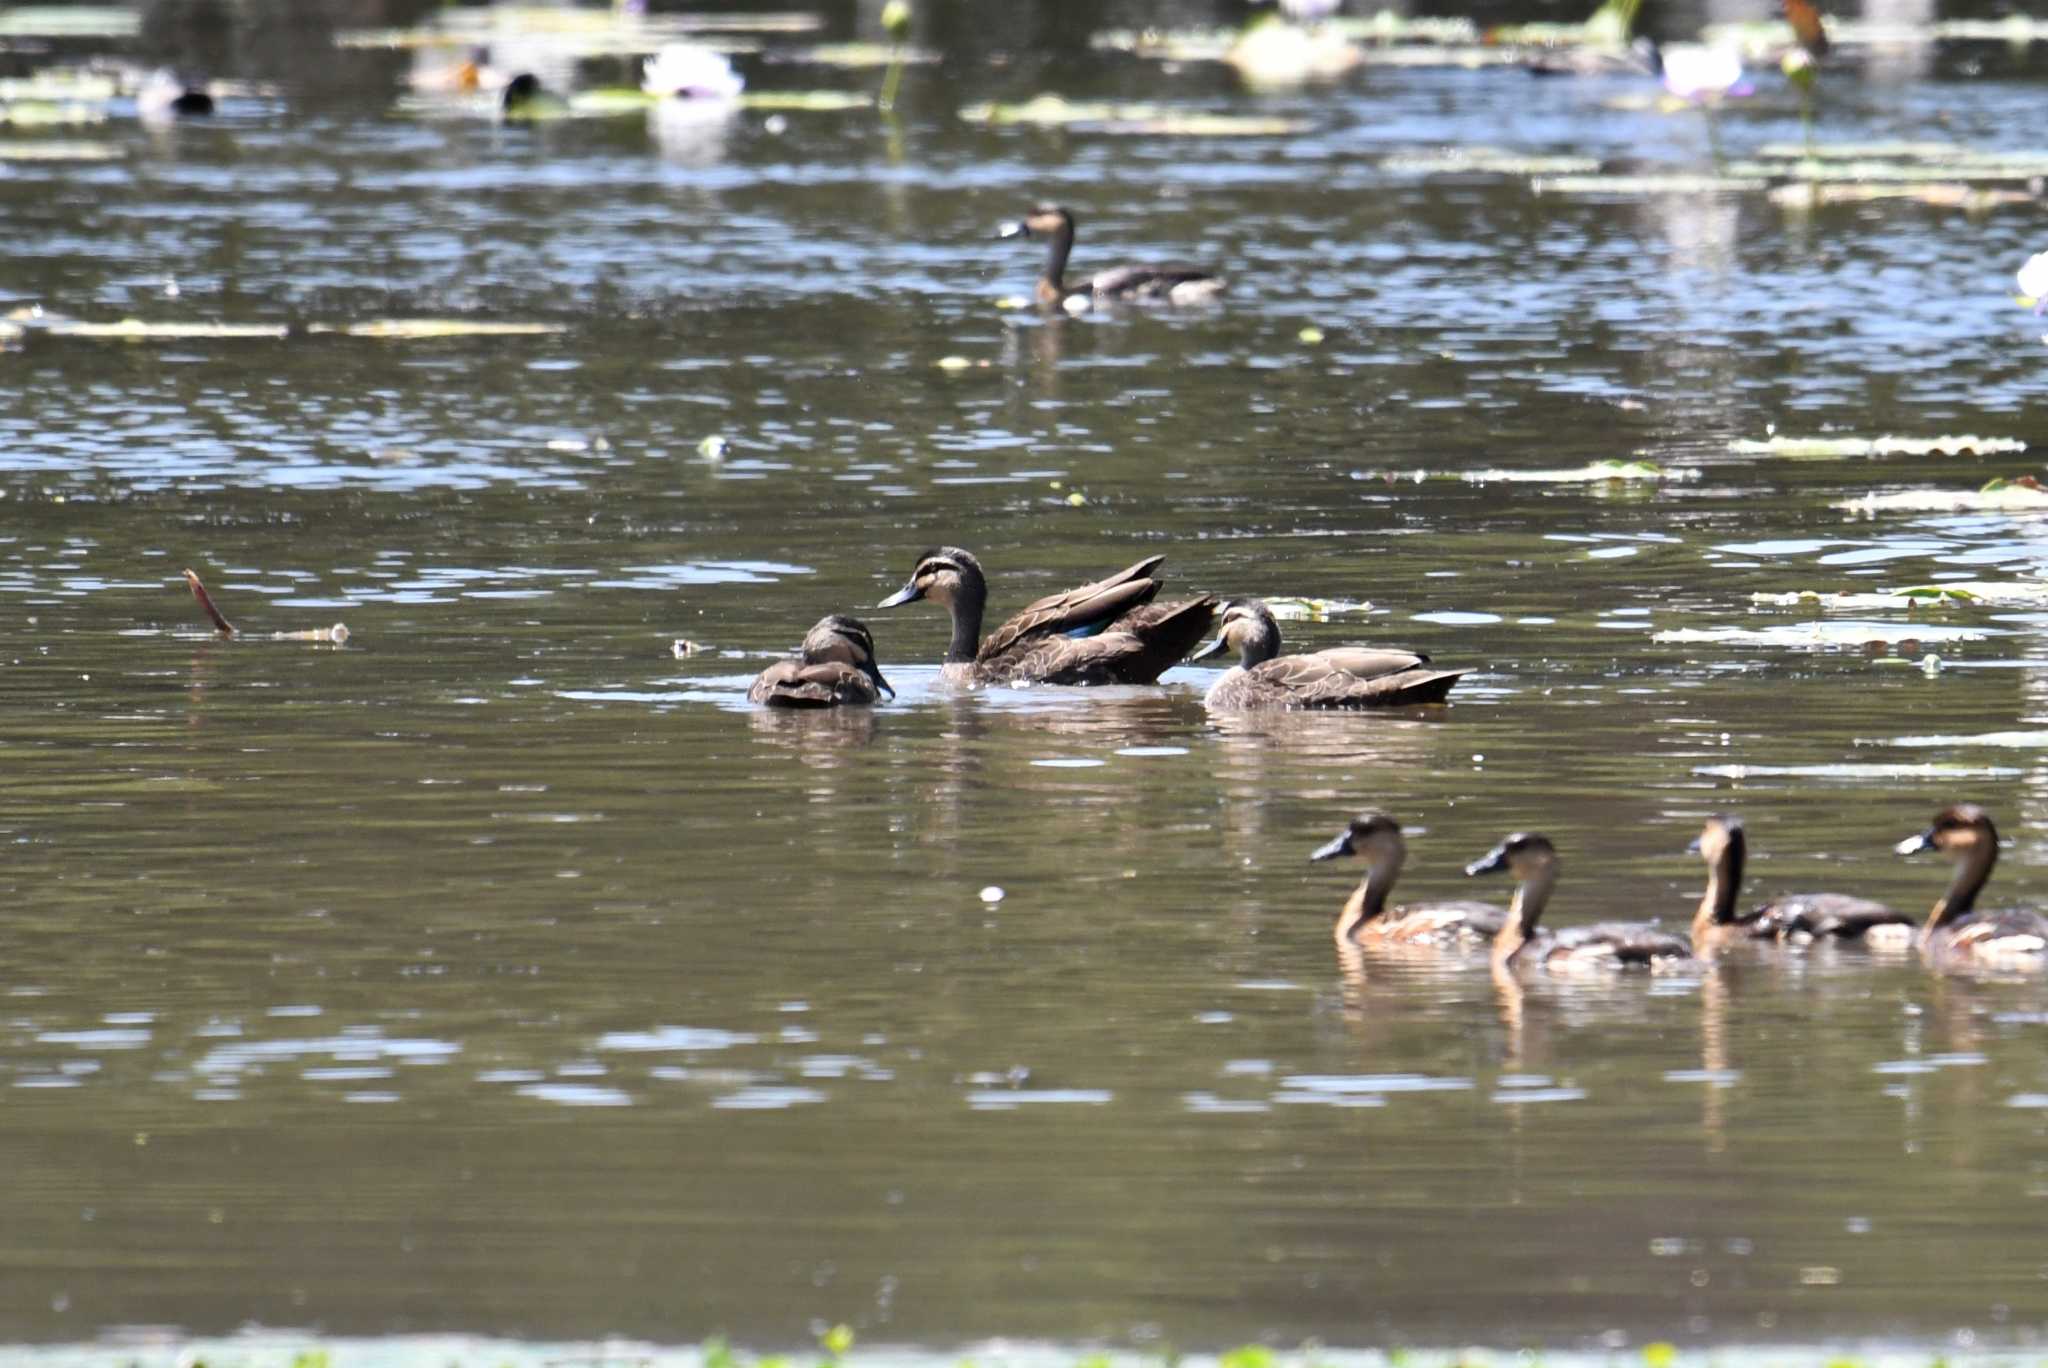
pixel 336 635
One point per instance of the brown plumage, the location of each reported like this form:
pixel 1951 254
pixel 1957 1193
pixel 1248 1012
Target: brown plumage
pixel 1955 930
pixel 1108 632
pixel 1346 677
pixel 1533 862
pixel 1173 283
pixel 1376 838
pixel 834 667
pixel 1794 918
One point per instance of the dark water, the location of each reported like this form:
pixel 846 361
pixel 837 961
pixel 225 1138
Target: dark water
pixel 503 973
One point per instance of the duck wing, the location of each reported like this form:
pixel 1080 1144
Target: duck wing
pixel 1077 612
pixel 825 684
pixel 1622 943
pixel 1357 677
pixel 1441 923
pixel 1134 650
pixel 2012 937
pixel 1147 282
pixel 1802 915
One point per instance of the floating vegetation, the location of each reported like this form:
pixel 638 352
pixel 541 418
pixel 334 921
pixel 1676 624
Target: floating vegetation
pixel 583 32
pixel 1486 161
pixel 1867 771
pixel 51 113
pixel 1597 472
pixel 61 83
pixel 136 330
pixel 807 101
pixel 337 635
pixel 53 151
pixel 2022 495
pixel 2003 740
pixel 1818 448
pixel 421 329
pixel 1316 609
pixel 1957 594
pixel 1626 186
pixel 1971 199
pixel 1827 636
pixel 70 21
pixel 1050 111
pixel 856 56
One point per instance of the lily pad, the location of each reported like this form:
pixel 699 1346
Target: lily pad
pixel 1676 183
pixel 1971 199
pixel 1955 594
pixel 807 101
pixel 136 330
pixel 1316 609
pixel 855 56
pixel 1827 447
pixel 70 21
pixel 51 113
pixel 1486 161
pixel 1824 636
pixel 418 329
pixel 49 151
pixel 2003 740
pixel 582 32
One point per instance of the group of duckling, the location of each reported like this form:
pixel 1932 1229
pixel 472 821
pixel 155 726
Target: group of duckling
pixel 1953 933
pixel 1108 632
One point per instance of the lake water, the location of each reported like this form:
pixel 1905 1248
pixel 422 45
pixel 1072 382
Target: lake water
pixel 503 973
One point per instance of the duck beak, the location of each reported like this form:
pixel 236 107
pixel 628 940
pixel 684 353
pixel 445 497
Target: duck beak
pixel 1492 860
pixel 1014 228
pixel 909 593
pixel 1216 647
pixel 1913 845
pixel 1333 849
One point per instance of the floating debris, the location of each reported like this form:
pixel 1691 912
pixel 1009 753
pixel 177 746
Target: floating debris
pixel 1827 447
pixel 420 329
pixel 1316 609
pixel 1486 161
pixel 807 101
pixel 70 21
pixel 1597 472
pixel 1958 594
pixel 1827 636
pixel 1050 111
pixel 2022 495
pixel 1676 183
pixel 136 330
pixel 1971 199
pixel 337 635
pixel 854 56
pixel 53 151
pixel 683 648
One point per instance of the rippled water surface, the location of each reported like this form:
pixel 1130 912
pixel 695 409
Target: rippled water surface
pixel 502 972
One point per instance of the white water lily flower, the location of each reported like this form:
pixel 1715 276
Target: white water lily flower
pixel 2033 278
pixel 1696 72
pixel 691 72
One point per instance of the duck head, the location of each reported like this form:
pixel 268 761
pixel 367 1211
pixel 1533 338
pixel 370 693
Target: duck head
pixel 1525 855
pixel 943 574
pixel 847 641
pixel 1372 835
pixel 1246 626
pixel 1046 220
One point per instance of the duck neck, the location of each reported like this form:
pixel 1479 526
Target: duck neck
pixel 966 607
pixel 1052 284
pixel 1524 910
pixel 1259 646
pixel 1369 900
pixel 1964 886
pixel 1724 881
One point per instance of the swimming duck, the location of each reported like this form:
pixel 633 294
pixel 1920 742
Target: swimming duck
pixel 1175 283
pixel 1108 632
pixel 834 666
pixel 1376 838
pixel 1955 929
pixel 1533 862
pixel 1797 918
pixel 1347 677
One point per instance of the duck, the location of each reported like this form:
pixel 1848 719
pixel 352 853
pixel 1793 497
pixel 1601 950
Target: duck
pixel 834 667
pixel 1346 677
pixel 1794 918
pixel 166 96
pixel 1955 929
pixel 1108 632
pixel 1533 861
pixel 1376 838
pixel 1174 283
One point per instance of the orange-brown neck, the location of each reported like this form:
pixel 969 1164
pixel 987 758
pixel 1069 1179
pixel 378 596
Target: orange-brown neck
pixel 1972 870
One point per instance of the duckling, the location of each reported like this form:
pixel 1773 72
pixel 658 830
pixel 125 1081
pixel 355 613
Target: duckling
pixel 1533 861
pixel 1108 632
pixel 834 666
pixel 1795 918
pixel 1175 283
pixel 1347 677
pixel 1964 833
pixel 1376 838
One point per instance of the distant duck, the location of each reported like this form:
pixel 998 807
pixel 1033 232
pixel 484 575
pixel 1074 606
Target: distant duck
pixel 523 94
pixel 1533 862
pixel 1108 632
pixel 834 667
pixel 1345 677
pixel 1173 283
pixel 1375 838
pixel 164 96
pixel 690 71
pixel 1794 918
pixel 1955 929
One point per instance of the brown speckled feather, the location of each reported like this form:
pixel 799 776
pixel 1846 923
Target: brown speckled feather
pixel 1818 916
pixel 1130 652
pixel 824 684
pixel 1343 678
pixel 1057 614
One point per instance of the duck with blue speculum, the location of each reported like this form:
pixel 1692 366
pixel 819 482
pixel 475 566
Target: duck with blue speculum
pixel 834 667
pixel 1532 860
pixel 1344 677
pixel 1108 632
pixel 1956 932
pixel 1375 839
pixel 1171 283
